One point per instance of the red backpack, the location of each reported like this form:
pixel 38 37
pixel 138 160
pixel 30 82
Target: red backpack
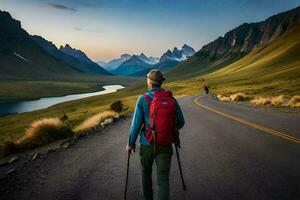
pixel 162 118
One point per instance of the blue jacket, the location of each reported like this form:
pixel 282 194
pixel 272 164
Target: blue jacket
pixel 141 115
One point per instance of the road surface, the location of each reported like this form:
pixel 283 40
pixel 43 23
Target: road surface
pixel 228 152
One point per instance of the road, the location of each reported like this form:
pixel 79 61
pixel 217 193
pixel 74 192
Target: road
pixel 222 158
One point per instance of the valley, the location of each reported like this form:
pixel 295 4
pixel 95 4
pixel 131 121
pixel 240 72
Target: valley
pixel 258 59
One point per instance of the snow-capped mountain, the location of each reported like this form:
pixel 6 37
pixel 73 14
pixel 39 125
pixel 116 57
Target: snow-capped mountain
pixel 132 65
pixel 178 55
pixel 115 63
pixel 150 60
pixel 101 63
pixel 138 65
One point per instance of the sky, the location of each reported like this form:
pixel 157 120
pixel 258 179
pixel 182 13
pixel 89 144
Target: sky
pixel 105 29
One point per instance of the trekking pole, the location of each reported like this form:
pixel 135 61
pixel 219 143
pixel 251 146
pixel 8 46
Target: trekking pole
pixel 127 173
pixel 179 164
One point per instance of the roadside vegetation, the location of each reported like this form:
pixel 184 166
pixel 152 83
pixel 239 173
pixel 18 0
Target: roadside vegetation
pixel 280 100
pixel 40 132
pixel 46 130
pixel 102 118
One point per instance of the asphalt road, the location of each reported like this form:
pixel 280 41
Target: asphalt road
pixel 222 158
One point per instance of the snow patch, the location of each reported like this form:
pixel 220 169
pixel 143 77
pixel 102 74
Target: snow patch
pixel 18 55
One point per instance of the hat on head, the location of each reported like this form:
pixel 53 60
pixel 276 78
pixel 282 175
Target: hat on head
pixel 155 76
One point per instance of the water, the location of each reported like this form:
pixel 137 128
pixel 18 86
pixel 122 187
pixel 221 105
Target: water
pixel 27 106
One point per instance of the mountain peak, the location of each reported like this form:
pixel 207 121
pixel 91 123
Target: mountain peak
pixel 125 56
pixel 177 55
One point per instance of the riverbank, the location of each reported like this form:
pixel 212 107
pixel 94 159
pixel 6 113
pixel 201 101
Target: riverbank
pixel 23 90
pixel 28 106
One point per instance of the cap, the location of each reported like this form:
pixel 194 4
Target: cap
pixel 155 76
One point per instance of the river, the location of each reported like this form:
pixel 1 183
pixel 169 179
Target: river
pixel 7 108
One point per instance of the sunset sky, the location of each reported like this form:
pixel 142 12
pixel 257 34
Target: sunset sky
pixel 104 29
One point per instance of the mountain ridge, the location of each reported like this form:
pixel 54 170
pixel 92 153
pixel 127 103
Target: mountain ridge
pixel 235 44
pixel 84 66
pixel 22 58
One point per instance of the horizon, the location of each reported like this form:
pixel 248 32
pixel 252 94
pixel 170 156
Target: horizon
pixel 104 30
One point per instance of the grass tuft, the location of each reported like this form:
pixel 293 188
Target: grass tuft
pixel 40 132
pixel 96 120
pixel 280 100
pixel 223 98
pixel 295 101
pixel 240 97
pixel 261 101
pixel 235 97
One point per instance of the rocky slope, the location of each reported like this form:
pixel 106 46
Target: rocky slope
pixel 22 58
pixel 237 43
pixel 84 64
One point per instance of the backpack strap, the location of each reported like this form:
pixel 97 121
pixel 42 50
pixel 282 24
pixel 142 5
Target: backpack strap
pixel 148 99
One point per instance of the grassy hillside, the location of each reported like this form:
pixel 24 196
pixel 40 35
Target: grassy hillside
pixel 236 44
pixel 272 69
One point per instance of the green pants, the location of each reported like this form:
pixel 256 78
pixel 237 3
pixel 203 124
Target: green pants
pixel 162 158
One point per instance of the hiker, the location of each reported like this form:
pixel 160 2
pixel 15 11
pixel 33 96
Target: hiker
pixel 206 89
pixel 155 145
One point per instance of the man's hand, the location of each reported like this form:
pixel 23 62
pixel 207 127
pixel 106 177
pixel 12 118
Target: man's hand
pixel 130 149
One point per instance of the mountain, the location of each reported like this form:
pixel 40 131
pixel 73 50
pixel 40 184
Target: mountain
pixel 168 60
pixel 86 66
pixel 81 56
pixel 272 69
pixel 22 58
pixel 235 44
pixel 132 65
pixel 178 55
pixel 115 63
pixel 101 63
pixel 150 60
pixel 165 62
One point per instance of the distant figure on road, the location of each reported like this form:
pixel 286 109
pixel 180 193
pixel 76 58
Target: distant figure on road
pixel 157 115
pixel 206 89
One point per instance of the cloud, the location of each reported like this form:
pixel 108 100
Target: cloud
pixel 87 30
pixel 57 6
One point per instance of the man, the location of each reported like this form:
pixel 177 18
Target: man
pixel 150 151
pixel 206 89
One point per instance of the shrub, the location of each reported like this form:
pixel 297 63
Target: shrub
pixel 44 131
pixel 294 101
pixel 117 106
pixel 96 120
pixel 64 117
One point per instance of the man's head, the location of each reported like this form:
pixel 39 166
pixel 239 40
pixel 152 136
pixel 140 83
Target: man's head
pixel 154 78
